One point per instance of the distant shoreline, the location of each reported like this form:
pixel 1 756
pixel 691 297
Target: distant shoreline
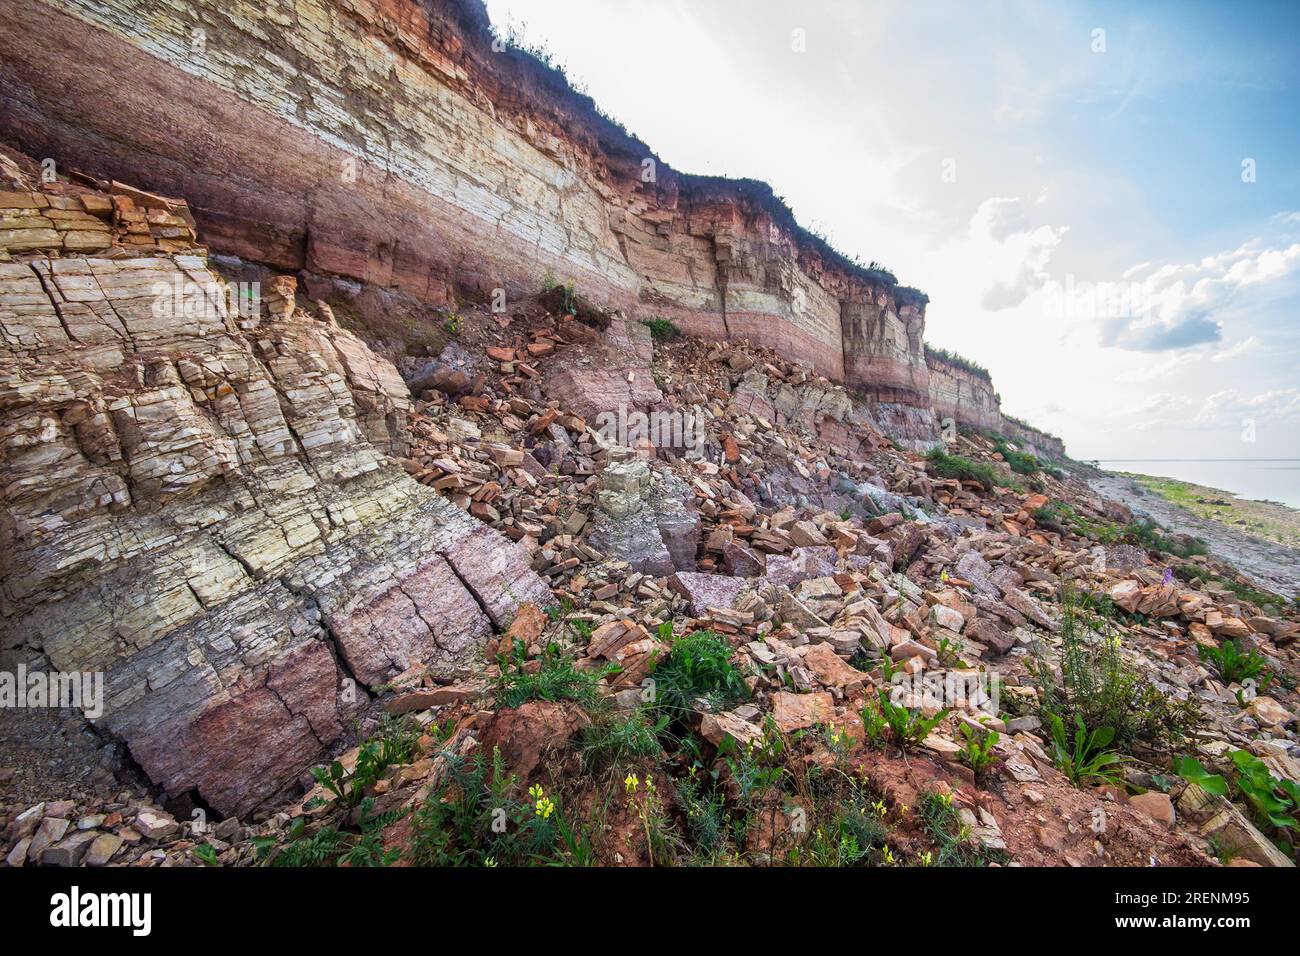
pixel 1229 525
pixel 1269 520
pixel 1265 480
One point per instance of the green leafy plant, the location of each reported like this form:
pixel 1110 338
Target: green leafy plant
pixel 206 854
pixel 874 725
pixel 1087 758
pixel 1233 666
pixel 393 743
pixel 662 330
pixel 977 749
pixel 319 849
pixel 1273 802
pixel 949 652
pixel 328 846
pixel 1191 770
pixel 908 727
pixel 698 666
pixel 561 298
pixel 556 678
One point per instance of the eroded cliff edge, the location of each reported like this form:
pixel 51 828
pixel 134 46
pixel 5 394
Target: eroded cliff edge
pixel 389 145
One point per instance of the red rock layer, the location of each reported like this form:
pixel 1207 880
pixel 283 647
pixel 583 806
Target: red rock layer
pixel 387 143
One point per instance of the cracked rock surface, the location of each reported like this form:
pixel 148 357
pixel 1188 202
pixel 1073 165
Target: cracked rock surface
pixel 202 506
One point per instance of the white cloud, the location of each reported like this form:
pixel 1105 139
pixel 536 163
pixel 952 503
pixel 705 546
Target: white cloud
pixel 1241 348
pixel 1178 305
pixel 1014 252
pixel 1228 407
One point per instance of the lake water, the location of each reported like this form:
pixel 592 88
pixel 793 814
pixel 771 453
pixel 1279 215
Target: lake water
pixel 1258 479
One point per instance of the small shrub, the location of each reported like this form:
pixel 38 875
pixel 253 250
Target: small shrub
pixel 1100 688
pixel 705 811
pixel 1149 535
pixel 331 847
pixel 943 824
pixel 699 665
pixel 848 827
pixel 662 330
pixel 1021 462
pixel 1061 518
pixel 619 739
pixel 945 465
pixel 461 822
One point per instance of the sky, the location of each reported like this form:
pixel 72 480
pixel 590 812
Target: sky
pixel 1102 201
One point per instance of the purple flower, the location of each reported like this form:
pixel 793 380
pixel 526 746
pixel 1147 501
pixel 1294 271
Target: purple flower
pixel 1168 577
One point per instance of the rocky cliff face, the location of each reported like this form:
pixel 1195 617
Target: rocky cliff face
pixel 963 394
pixel 387 144
pixel 202 504
pixel 1034 440
pixel 967 397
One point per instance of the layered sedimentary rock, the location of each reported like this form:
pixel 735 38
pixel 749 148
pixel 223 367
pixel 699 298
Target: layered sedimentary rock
pixel 964 394
pixel 200 503
pixel 1034 440
pixel 967 396
pixel 392 144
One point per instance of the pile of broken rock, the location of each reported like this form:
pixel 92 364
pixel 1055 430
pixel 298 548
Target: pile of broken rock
pixel 817 547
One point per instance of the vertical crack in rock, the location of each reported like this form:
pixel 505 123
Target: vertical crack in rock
pixel 54 303
pixel 197 508
pixel 509 182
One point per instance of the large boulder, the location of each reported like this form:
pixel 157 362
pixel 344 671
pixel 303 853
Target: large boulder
pixel 643 517
pixel 200 504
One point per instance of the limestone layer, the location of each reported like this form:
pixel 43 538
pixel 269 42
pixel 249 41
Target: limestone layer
pixel 201 505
